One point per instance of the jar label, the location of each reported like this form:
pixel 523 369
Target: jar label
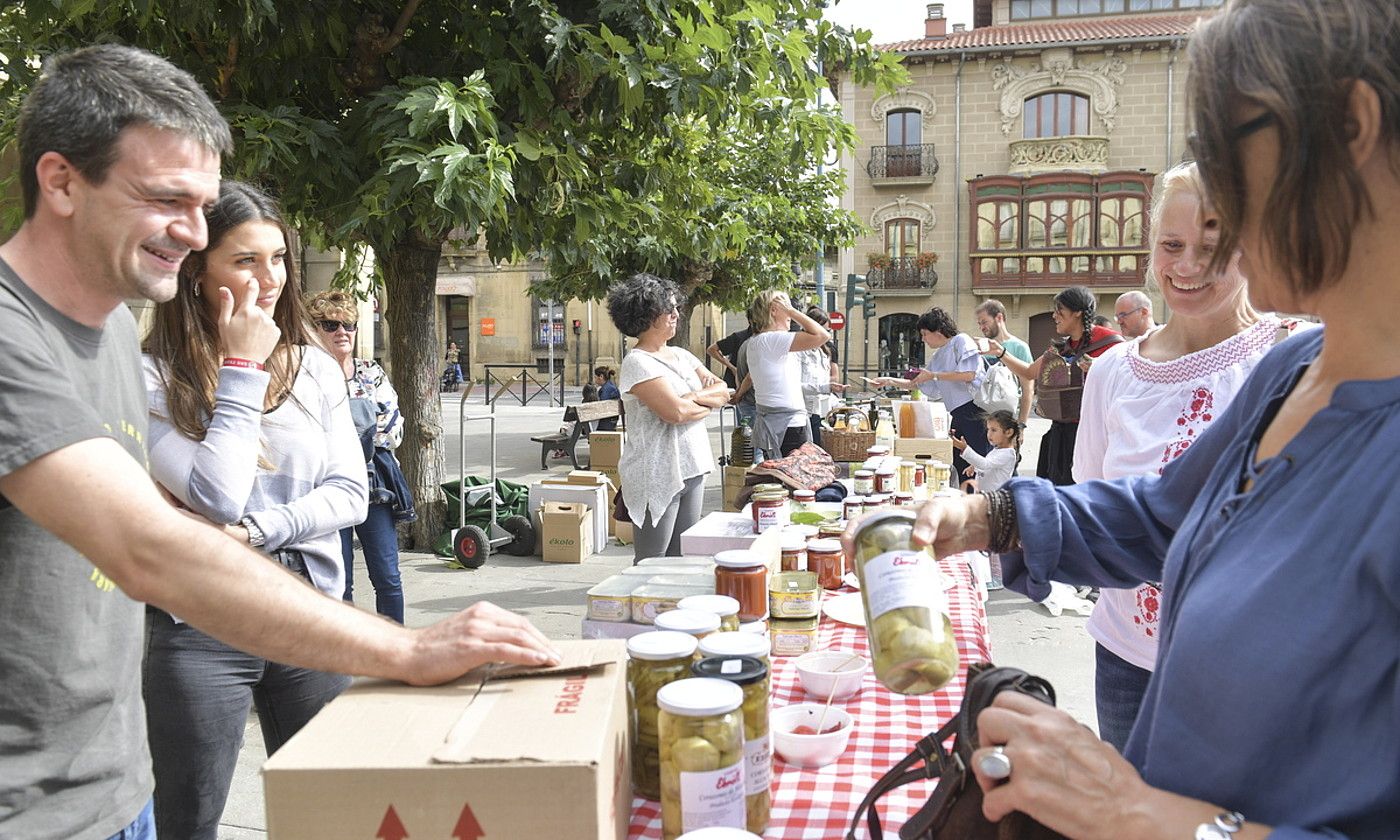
pixel 607 609
pixel 758 765
pixel 715 798
pixel 899 579
pixel 774 516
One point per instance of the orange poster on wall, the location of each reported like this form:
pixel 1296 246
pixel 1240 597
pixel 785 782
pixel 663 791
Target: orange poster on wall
pixel 488 326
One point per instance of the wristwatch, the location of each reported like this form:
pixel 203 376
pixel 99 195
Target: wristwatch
pixel 256 537
pixel 1224 827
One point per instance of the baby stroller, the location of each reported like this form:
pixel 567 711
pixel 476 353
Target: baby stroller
pixel 451 378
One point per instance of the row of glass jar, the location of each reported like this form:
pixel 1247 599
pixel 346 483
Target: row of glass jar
pixel 698 715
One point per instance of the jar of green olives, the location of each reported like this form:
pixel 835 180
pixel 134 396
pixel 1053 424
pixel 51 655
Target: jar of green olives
pixel 725 607
pixel 751 675
pixel 655 658
pixel 906 615
pixel 701 728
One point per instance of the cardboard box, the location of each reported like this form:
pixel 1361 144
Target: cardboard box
pixel 604 449
pixel 721 531
pixel 467 759
pixel 733 479
pixel 614 487
pixel 623 532
pixel 566 532
pixel 587 478
pixel 560 490
pixel 939 449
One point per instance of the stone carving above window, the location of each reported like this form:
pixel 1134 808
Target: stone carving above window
pixel 1057 71
pixel 1054 154
pixel 903 208
pixel 904 99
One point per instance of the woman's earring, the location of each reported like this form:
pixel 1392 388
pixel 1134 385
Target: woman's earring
pixel 197 292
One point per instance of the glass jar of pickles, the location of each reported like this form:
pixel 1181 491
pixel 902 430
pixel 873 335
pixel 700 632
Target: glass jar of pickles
pixel 824 556
pixel 864 482
pixel 751 675
pixel 852 507
pixel 721 605
pixel 885 480
pixel 911 638
pixel 907 469
pixel 803 500
pixel 654 659
pixel 743 576
pixel 942 474
pixel 697 623
pixel 734 644
pixel 701 733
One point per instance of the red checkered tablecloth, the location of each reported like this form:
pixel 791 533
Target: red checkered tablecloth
pixel 819 804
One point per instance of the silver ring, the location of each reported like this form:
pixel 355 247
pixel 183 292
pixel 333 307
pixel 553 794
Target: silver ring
pixel 995 764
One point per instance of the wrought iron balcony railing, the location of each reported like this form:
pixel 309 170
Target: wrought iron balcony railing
pixel 902 273
pixel 902 162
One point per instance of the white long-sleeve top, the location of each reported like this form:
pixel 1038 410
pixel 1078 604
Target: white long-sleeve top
pixel 993 469
pixel 318 483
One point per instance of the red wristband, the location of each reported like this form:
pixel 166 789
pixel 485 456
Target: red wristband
pixel 233 361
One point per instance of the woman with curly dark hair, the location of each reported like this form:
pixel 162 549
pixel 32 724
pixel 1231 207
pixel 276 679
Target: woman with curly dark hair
pixel 666 394
pixel 1080 341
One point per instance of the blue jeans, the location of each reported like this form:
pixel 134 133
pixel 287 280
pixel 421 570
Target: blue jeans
pixel 198 692
pixel 141 828
pixel 1119 687
pixel 381 546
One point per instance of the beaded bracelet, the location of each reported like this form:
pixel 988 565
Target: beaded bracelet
pixel 1004 533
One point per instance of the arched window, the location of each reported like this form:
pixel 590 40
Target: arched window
pixel 902 238
pixel 904 127
pixel 1056 114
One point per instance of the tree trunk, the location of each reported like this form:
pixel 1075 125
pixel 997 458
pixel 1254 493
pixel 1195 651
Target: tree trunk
pixel 410 271
pixel 692 277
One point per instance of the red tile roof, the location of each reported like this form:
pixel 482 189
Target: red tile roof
pixel 1055 32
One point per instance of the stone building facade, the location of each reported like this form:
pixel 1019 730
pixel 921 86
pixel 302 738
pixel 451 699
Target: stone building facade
pixel 1021 156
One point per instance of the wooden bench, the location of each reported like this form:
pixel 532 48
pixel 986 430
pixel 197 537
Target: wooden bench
pixel 584 416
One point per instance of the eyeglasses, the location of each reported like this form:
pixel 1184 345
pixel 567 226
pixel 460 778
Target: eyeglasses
pixel 331 326
pixel 1120 317
pixel 1236 134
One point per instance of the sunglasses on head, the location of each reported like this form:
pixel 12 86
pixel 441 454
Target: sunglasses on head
pixel 331 326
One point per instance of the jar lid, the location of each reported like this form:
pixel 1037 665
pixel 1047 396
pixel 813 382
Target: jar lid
pixel 687 621
pixel 864 473
pixel 804 494
pixel 733 643
pixel 804 530
pixel 791 541
pixel 655 645
pixel 740 670
pixel 903 495
pixel 885 470
pixel 738 558
pixel 824 545
pixel 717 832
pixel 720 605
pixel 904 514
pixel 699 697
pixel 877 499
pixel 757 627
pixel 854 499
pixel 770 495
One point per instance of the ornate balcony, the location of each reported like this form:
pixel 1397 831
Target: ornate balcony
pixel 1059 154
pixel 902 164
pixel 903 273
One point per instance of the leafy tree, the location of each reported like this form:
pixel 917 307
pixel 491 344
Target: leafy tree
pixel 389 124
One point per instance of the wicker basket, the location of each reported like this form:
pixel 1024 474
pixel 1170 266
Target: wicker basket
pixel 850 443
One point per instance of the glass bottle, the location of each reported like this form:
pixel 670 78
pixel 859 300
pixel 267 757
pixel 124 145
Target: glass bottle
pixel 654 659
pixel 701 733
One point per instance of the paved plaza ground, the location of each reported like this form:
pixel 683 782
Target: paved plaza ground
pixel 552 596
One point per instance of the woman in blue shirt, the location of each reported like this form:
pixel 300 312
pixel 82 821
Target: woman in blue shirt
pixel 607 390
pixel 953 374
pixel 1274 709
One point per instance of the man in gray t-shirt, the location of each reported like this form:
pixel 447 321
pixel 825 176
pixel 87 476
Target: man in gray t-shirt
pixel 119 154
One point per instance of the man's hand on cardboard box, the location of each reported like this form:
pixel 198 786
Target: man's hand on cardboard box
pixel 482 633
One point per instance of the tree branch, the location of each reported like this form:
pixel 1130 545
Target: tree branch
pixel 400 26
pixel 227 69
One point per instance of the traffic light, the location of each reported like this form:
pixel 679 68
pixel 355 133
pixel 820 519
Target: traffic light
pixel 856 290
pixel 868 304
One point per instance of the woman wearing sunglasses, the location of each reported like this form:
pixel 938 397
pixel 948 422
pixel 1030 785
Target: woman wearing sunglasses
pixel 333 314
pixel 1274 707
pixel 250 428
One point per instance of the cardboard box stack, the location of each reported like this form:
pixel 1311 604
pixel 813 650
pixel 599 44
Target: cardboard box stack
pixel 474 758
pixel 585 487
pixel 566 532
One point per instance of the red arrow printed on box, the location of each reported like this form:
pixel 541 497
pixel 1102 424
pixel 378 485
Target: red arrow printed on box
pixel 467 827
pixel 391 827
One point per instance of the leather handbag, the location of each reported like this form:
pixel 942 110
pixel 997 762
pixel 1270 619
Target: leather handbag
pixel 1060 386
pixel 954 811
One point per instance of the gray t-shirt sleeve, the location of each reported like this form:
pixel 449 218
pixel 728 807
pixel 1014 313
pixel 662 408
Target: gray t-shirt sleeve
pixel 42 411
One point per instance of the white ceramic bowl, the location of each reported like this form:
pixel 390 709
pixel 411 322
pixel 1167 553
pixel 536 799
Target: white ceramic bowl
pixel 809 750
pixel 827 672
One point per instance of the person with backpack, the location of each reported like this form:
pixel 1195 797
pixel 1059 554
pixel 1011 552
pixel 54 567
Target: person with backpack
pixel 954 374
pixel 1059 377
